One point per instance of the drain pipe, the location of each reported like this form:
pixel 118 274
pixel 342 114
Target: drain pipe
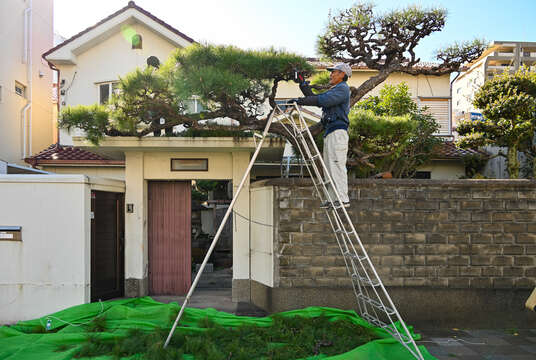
pixel 27 58
pixel 451 103
pixel 58 96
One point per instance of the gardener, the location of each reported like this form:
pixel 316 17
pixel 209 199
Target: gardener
pixel 335 104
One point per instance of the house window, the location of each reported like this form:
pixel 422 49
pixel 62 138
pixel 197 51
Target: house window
pixel 106 90
pixel 20 89
pixel 423 175
pixel 193 106
pixel 136 41
pixel 458 90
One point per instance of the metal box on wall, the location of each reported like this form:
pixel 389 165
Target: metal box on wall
pixel 10 233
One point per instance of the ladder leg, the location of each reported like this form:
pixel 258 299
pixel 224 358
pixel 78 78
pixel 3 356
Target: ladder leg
pixel 374 303
pixel 220 229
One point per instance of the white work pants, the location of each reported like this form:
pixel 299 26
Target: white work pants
pixel 334 152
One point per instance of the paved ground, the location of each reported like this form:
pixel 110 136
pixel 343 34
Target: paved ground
pixel 509 344
pixel 451 344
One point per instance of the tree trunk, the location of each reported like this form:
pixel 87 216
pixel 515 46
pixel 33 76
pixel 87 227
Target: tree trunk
pixel 513 162
pixel 368 85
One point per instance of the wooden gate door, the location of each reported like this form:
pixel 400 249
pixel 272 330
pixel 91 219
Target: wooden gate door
pixel 169 231
pixel 107 251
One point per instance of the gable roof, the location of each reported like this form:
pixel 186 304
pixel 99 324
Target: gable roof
pixel 131 11
pixel 57 154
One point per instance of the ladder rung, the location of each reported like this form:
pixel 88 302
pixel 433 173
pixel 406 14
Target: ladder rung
pixel 387 327
pixel 339 231
pixel 327 182
pixel 376 304
pixel 316 156
pixel 354 256
pixel 365 280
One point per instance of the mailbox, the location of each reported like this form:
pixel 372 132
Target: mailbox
pixel 10 233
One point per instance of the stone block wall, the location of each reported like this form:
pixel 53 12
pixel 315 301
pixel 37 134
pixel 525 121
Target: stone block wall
pixel 453 234
pixel 420 234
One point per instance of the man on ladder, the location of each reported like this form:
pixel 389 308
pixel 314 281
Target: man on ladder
pixel 335 104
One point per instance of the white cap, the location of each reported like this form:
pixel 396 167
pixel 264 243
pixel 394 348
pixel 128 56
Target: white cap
pixel 345 68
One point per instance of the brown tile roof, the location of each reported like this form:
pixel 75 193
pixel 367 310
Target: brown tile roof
pixel 57 154
pixel 449 151
pixel 320 64
pixel 130 5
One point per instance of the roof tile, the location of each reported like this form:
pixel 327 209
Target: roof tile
pixel 61 154
pixel 448 150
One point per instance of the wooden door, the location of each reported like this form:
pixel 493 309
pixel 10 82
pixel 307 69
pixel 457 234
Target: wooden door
pixel 169 231
pixel 107 250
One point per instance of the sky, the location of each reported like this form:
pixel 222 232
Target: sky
pixel 294 25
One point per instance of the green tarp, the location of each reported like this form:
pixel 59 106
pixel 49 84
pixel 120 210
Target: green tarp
pixel 144 313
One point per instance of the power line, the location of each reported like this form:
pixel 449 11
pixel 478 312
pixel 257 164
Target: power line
pixel 251 221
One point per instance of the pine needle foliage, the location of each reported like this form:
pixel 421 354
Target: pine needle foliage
pixel 508 103
pixel 227 81
pixel 389 133
pixel 287 338
pixel 225 77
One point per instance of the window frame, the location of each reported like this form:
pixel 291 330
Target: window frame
pixel 196 105
pixel 111 90
pixel 21 86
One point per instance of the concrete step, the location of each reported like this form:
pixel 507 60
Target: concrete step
pixel 221 279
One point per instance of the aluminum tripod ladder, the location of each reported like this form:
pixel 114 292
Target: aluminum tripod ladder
pixel 374 303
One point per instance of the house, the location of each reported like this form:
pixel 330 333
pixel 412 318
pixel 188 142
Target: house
pixel 500 56
pixel 26 108
pixel 152 176
pixel 426 90
pixel 157 172
pixel 432 92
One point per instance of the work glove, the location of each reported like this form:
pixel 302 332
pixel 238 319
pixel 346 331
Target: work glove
pixel 308 100
pixel 306 89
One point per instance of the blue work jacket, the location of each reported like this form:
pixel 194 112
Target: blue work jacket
pixel 335 104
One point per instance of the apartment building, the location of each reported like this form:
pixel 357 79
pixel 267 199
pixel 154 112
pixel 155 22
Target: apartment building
pixel 26 108
pixel 499 57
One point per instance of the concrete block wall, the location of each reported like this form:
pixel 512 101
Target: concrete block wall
pixel 472 238
pixel 453 234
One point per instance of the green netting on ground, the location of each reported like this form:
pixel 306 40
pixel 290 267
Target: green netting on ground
pixel 31 340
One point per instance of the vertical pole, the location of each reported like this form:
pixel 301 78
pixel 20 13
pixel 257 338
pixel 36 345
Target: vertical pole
pixel 220 229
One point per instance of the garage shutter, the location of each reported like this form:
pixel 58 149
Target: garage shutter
pixel 439 109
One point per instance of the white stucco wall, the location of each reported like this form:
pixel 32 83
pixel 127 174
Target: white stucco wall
pixel 444 169
pixel 105 62
pixel 14 69
pixel 50 268
pixel 464 88
pixel 262 244
pixel 227 160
